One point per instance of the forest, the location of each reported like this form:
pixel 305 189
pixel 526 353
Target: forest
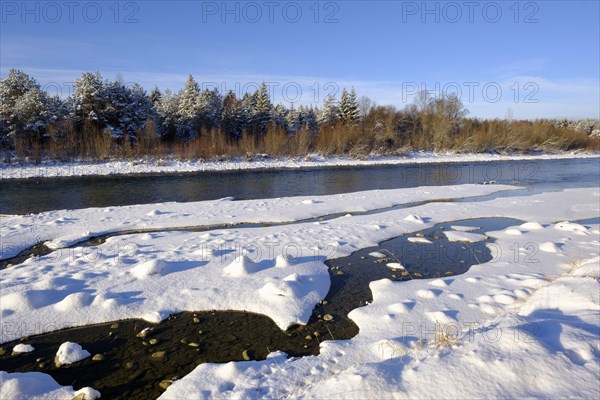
pixel 106 119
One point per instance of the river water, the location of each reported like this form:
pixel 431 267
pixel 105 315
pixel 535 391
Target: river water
pixel 42 194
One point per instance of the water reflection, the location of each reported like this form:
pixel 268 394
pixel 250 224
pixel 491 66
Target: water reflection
pixel 35 195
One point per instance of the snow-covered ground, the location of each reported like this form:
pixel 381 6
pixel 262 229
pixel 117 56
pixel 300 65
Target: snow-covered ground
pixel 142 166
pixel 525 324
pixel 62 228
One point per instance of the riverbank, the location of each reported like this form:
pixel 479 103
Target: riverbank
pixel 166 166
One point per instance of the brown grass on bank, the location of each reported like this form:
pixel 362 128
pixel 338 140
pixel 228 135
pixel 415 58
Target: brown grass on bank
pixel 386 135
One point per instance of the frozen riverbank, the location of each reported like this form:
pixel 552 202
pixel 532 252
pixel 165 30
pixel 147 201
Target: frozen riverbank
pixel 124 167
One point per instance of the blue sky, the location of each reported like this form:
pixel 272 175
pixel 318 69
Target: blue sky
pixel 529 59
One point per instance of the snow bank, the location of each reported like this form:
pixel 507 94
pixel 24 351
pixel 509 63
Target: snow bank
pixel 94 285
pixel 38 386
pixel 505 329
pixel 62 228
pixel 52 169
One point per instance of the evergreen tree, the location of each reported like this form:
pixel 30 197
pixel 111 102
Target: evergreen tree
pixel 210 109
pixel 89 99
pixel 309 119
pixel 279 117
pixel 294 120
pixel 232 117
pixel 262 110
pixel 24 107
pixel 188 121
pixel 155 96
pixel 330 112
pixel 349 113
pixel 166 115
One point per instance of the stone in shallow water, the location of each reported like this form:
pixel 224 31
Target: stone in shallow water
pixel 98 357
pixel 165 384
pixel 328 317
pixel 158 356
pixel 247 355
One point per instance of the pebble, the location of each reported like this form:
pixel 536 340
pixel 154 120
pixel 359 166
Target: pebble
pixel 308 337
pixel 144 333
pixel 98 357
pixel 158 356
pixel 165 384
pixel 339 273
pixel 183 341
pixel 114 326
pixel 152 341
pixel 246 355
pixel 40 359
pixel 42 365
pixel 2 351
pixel 193 344
pixel 131 365
pixel 196 320
pixel 328 317
pixel 317 334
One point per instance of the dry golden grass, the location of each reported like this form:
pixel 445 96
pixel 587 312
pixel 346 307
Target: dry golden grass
pixel 384 136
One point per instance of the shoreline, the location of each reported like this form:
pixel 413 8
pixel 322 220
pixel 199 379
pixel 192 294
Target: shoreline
pixel 52 169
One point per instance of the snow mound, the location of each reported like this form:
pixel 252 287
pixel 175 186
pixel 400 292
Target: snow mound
pixel 513 231
pixel 462 228
pixel 23 348
pixel 74 301
pixel 441 317
pixel 589 268
pixel 274 289
pixel 395 265
pixel 400 308
pixel 418 239
pixel 87 393
pixel 414 218
pixel 549 247
pixel 39 386
pixel 148 268
pixel 427 293
pixel 240 267
pixel 439 283
pixel 30 385
pixel 282 261
pixel 468 237
pixel 69 353
pixel 571 227
pixel 155 213
pixel 532 226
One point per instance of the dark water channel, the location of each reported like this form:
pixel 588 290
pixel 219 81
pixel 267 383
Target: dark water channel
pixel 21 196
pixel 130 368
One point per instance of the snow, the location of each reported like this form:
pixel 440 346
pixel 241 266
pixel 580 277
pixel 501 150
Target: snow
pixel 516 330
pixel 38 386
pixel 23 348
pixel 69 353
pixel 460 236
pixel 62 228
pixel 520 325
pixel 142 166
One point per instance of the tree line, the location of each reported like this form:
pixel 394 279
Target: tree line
pixel 104 118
